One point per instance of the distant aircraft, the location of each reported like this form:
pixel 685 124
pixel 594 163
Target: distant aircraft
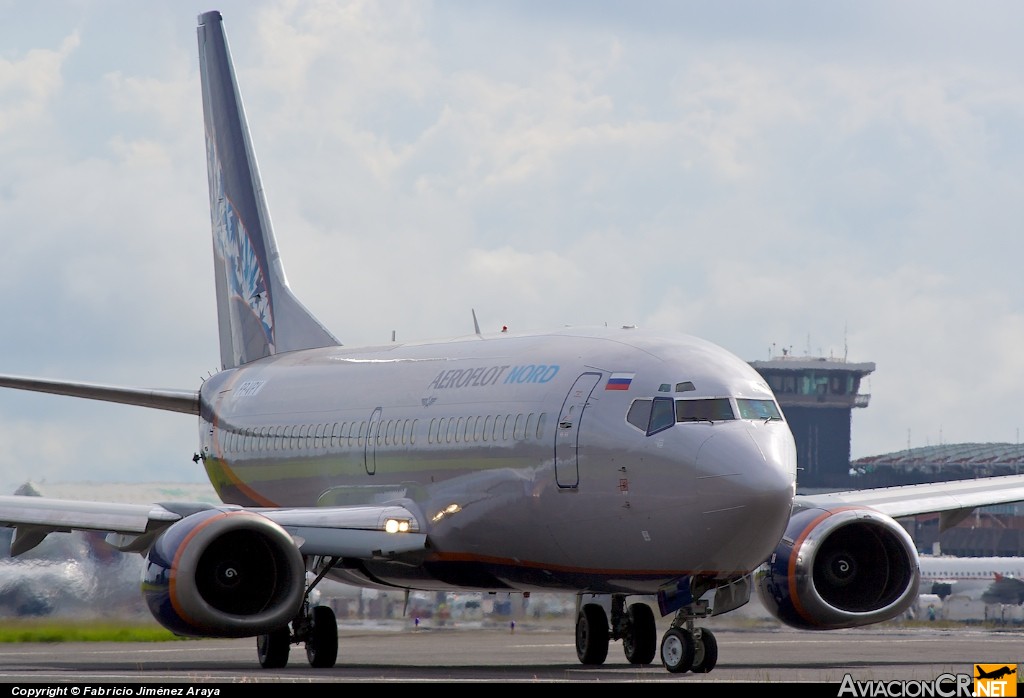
pixel 989 579
pixel 620 465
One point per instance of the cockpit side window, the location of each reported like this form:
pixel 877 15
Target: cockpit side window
pixel 758 409
pixel 652 416
pixel 706 410
pixel 639 414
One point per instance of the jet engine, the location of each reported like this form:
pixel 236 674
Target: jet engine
pixel 224 574
pixel 840 569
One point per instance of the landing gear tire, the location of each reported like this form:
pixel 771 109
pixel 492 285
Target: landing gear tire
pixel 592 634
pixel 705 655
pixel 272 648
pixel 322 644
pixel 640 643
pixel 677 650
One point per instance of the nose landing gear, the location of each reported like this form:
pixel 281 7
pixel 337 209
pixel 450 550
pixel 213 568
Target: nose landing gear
pixel 689 649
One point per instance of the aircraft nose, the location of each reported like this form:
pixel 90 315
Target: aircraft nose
pixel 746 480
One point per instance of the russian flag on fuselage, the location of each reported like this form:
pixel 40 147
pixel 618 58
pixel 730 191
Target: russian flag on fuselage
pixel 619 381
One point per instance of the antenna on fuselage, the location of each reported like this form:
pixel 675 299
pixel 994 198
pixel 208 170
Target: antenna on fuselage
pixel 476 325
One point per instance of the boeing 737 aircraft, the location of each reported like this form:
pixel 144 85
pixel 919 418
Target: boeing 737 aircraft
pixel 988 579
pixel 619 465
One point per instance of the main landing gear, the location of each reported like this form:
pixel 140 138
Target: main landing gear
pixel 315 626
pixel 683 647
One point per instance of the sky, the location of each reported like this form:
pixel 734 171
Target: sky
pixel 840 179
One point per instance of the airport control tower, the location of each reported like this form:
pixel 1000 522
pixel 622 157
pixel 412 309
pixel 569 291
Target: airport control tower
pixel 817 396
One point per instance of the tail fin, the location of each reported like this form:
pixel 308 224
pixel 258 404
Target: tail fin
pixel 256 311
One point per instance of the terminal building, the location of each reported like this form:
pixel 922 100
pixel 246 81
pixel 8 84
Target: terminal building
pixel 996 531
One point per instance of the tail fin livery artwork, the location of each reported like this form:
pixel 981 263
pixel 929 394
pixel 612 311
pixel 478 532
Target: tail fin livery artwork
pixel 637 470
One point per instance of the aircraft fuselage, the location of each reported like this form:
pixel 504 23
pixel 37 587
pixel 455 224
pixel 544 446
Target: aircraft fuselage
pixel 484 438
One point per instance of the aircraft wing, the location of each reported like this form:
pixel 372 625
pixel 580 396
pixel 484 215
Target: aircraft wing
pixel 1006 590
pixel 953 500
pixel 186 401
pixel 364 532
pixel 33 518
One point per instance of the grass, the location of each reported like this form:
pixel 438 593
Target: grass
pixel 22 630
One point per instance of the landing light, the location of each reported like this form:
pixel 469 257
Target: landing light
pixel 396 526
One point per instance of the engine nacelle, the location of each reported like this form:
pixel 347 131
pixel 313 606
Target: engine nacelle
pixel 224 574
pixel 840 569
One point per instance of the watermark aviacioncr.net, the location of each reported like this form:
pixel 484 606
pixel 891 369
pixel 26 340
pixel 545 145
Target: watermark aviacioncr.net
pixel 988 680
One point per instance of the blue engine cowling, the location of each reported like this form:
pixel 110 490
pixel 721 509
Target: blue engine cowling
pixel 224 574
pixel 840 569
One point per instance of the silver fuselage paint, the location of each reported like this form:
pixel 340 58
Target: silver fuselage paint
pixel 511 506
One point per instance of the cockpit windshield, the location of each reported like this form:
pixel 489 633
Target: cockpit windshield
pixel 656 414
pixel 715 409
pixel 758 409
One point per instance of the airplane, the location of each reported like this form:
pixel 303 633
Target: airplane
pixel 632 468
pixel 988 579
pixel 995 674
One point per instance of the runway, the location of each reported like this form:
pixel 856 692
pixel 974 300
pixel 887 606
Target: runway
pixel 527 654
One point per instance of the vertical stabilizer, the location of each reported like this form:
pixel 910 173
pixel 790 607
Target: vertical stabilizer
pixel 257 313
